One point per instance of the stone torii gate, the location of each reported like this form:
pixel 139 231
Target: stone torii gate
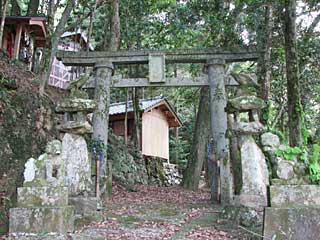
pixel 215 60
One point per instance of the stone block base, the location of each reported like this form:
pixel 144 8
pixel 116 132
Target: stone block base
pixel 295 196
pixel 84 205
pixel 42 196
pixel 42 220
pixel 292 223
pixel 30 236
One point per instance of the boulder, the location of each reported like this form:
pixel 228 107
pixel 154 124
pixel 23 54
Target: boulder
pixel 300 169
pixel 77 163
pixel 245 103
pixel 271 140
pixel 285 170
pixel 128 164
pixel 255 176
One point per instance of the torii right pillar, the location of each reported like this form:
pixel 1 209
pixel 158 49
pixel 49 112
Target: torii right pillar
pixel 219 126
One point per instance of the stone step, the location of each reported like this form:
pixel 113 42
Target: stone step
pixel 41 220
pixel 292 223
pixel 295 195
pixel 42 196
pixel 85 205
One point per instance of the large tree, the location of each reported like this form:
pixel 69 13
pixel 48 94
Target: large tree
pixel 295 111
pixel 191 176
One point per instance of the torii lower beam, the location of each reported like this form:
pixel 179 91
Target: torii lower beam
pixel 118 82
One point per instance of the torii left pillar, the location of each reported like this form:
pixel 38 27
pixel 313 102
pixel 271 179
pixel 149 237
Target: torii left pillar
pixel 103 73
pixel 219 126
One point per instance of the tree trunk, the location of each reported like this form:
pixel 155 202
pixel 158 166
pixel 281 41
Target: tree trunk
pixel 33 7
pixel 3 18
pixel 92 16
pixel 115 27
pixel 264 63
pixel 201 137
pixel 137 120
pixel 52 43
pixel 126 118
pixel 295 112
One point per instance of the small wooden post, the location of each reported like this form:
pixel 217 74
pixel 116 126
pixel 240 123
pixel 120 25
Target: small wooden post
pixel 101 120
pixel 219 124
pixel 17 41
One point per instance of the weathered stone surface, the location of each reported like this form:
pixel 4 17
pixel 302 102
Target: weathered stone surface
pixel 271 140
pixel 37 220
pixel 295 195
pixel 53 147
pixel 30 169
pixel 245 79
pixel 76 105
pixel 84 205
pixel 292 223
pixel 255 177
pixel 300 169
pixel 173 177
pixel 48 169
pixel 128 165
pixel 79 128
pixel 248 128
pixel 285 169
pixel 305 180
pixel 245 103
pixel 76 159
pixel 42 196
pixel 32 236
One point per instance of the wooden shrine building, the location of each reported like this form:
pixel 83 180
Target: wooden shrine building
pixel 157 117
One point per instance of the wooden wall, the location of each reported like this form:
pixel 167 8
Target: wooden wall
pixel 155 134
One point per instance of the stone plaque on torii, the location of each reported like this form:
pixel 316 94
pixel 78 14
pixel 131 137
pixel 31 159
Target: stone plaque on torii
pixel 215 60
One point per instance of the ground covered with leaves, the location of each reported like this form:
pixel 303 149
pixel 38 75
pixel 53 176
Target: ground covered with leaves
pixel 160 213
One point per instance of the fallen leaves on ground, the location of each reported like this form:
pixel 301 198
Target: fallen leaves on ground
pixel 208 234
pixel 135 205
pixel 153 194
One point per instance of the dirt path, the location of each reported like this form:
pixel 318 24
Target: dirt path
pixel 160 213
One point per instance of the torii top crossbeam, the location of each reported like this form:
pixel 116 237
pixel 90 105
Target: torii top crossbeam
pixel 171 56
pixel 157 60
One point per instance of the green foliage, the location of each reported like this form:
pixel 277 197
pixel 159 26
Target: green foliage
pixel 289 153
pixel 314 167
pixel 179 151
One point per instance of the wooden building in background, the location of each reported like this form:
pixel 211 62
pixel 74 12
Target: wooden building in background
pixel 24 39
pixel 22 36
pixel 61 75
pixel 157 117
